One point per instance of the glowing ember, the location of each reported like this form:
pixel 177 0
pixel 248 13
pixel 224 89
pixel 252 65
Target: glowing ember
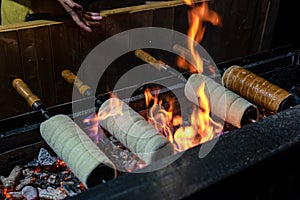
pixel 46 174
pixel 6 194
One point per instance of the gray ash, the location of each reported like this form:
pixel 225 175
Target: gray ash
pixel 46 177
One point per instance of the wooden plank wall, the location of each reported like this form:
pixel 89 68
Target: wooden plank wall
pixel 247 28
pixel 38 51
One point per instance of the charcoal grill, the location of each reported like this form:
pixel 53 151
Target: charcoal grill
pixel 257 161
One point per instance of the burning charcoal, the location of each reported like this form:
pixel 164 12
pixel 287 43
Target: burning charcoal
pixel 59 194
pixel 24 182
pixel 44 158
pixel 32 164
pixel 51 194
pixel 43 175
pixel 2 196
pixel 16 195
pixel 51 179
pixel 123 155
pixel 14 175
pixel 67 177
pixel 27 172
pixel 131 165
pixel 70 188
pixel 30 193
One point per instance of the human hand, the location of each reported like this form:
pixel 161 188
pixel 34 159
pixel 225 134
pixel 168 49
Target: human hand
pixel 82 18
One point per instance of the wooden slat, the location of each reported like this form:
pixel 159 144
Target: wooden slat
pixel 232 40
pixel 37 62
pixel 145 7
pixel 181 19
pixel 265 21
pixel 88 41
pixel 30 24
pixel 164 17
pixel 117 24
pixel 65 55
pixel 10 67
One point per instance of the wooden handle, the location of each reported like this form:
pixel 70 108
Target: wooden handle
pixel 158 64
pixel 25 92
pixel 182 51
pixel 71 78
pixel 68 76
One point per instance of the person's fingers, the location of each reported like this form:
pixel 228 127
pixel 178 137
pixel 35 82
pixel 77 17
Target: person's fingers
pixel 79 22
pixel 73 5
pixel 92 16
pixel 91 23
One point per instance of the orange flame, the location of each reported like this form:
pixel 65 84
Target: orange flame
pixel 197 18
pixel 161 118
pixel 202 127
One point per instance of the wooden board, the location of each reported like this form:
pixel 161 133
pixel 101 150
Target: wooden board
pixel 180 19
pixel 241 31
pixel 247 28
pixel 10 68
pixel 88 41
pixel 264 22
pixel 126 62
pixel 37 62
pixel 65 55
pixel 164 18
pixel 236 30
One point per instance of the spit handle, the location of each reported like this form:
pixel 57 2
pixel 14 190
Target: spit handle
pixel 72 79
pixel 32 100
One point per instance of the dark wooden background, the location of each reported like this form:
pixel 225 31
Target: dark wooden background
pixel 38 51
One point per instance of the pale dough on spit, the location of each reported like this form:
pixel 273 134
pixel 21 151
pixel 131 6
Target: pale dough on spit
pixel 135 133
pixel 224 103
pixel 74 146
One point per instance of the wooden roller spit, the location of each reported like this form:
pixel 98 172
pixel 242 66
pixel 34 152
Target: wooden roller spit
pixel 134 132
pixel 257 89
pixel 90 165
pixel 72 79
pixel 225 104
pixel 78 151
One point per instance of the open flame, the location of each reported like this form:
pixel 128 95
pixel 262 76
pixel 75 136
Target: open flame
pixel 95 132
pixel 202 127
pixel 198 16
pixel 162 119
